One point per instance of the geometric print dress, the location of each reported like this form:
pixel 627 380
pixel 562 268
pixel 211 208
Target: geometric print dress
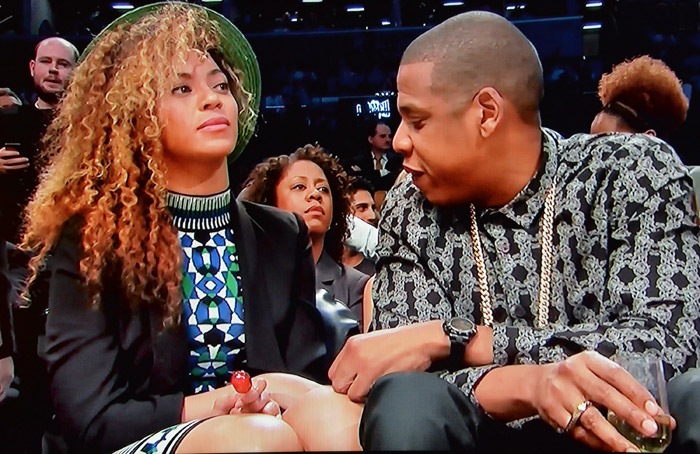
pixel 212 304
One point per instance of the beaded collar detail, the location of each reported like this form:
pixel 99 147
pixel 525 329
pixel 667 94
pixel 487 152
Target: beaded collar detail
pixel 206 213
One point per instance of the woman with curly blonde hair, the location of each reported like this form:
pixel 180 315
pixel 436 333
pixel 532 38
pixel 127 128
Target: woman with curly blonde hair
pixel 313 184
pixel 642 95
pixel 160 286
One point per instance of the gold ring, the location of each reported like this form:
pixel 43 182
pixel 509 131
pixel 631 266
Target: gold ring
pixel 578 411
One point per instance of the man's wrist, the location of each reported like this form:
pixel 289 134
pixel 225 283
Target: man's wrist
pixel 460 331
pixel 508 393
pixel 437 343
pixel 479 352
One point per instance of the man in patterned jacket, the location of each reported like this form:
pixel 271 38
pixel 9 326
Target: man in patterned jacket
pixel 517 262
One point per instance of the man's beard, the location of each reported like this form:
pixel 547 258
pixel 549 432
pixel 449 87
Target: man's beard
pixel 48 97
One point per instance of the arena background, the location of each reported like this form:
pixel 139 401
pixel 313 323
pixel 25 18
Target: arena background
pixel 327 65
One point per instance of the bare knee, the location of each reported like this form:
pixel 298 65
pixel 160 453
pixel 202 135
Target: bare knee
pixel 241 433
pixel 266 433
pixel 325 421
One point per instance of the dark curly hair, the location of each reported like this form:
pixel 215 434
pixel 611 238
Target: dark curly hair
pixel 358 183
pixel 262 183
pixel 645 93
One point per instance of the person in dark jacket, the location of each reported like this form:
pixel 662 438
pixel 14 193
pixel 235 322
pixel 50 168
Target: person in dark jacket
pixel 160 284
pixel 642 95
pixel 313 184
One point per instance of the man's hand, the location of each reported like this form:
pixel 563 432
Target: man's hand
pixel 7 374
pixel 367 357
pixel 590 376
pixel 11 160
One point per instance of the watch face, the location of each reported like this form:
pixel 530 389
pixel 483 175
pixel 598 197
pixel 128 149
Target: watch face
pixel 462 324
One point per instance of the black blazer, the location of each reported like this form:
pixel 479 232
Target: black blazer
pixel 343 283
pixel 6 334
pixel 363 165
pixel 115 376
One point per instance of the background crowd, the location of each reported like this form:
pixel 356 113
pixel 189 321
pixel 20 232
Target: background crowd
pixel 311 96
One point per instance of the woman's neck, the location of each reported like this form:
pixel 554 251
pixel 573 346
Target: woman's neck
pixel 352 259
pixel 197 178
pixel 316 247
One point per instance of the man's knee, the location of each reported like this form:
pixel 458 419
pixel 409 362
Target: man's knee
pixel 684 404
pixel 417 411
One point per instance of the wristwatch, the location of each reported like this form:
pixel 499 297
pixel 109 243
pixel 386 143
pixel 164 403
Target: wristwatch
pixel 460 331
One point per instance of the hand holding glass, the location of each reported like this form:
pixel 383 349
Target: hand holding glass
pixel 648 371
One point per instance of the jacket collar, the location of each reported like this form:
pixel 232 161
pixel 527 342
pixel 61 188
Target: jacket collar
pixel 327 270
pixel 244 236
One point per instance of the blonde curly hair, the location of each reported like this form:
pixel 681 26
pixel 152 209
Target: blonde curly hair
pixel 105 159
pixel 646 93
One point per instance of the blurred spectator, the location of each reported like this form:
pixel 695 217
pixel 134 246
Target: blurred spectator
pixel 361 201
pixel 9 101
pixel 54 59
pixel 641 95
pixel 381 165
pixel 21 130
pixel 363 211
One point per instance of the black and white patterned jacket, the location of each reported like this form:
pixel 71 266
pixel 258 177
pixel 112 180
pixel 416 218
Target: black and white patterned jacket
pixel 626 263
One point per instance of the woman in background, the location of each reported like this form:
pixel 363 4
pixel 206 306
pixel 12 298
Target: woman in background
pixel 313 184
pixel 642 95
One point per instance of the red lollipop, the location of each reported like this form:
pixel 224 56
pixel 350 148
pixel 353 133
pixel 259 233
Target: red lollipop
pixel 241 381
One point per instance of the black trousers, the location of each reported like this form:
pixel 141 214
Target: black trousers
pixel 684 404
pixel 419 411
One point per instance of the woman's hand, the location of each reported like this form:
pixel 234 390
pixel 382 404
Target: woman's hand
pixel 257 400
pixel 226 400
pixel 287 389
pixel 7 374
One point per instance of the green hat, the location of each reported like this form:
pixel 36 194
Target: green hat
pixel 234 48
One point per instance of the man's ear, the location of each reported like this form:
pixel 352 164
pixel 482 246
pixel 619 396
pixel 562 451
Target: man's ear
pixel 31 67
pixel 651 132
pixel 490 104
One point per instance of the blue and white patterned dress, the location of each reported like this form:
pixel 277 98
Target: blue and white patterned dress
pixel 212 304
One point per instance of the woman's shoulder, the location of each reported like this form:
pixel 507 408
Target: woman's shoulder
pixel 267 216
pixel 68 244
pixel 354 278
pixel 355 282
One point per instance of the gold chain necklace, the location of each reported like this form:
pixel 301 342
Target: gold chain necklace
pixel 546 234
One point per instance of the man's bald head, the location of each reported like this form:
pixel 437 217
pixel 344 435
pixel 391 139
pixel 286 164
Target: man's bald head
pixel 58 41
pixel 480 49
pixel 54 59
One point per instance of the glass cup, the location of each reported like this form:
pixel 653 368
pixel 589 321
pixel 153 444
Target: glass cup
pixel 649 371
